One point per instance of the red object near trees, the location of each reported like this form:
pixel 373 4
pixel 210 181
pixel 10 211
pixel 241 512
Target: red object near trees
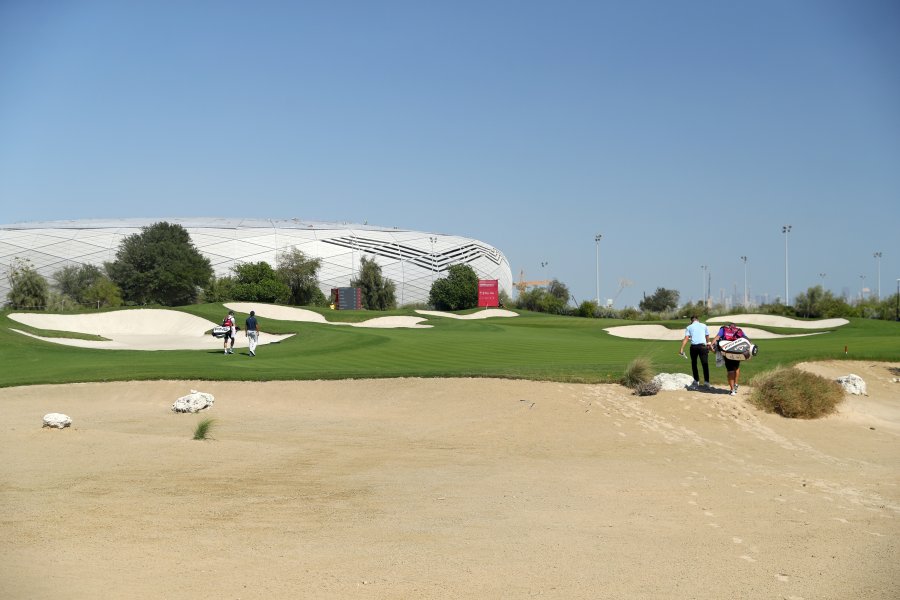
pixel 488 293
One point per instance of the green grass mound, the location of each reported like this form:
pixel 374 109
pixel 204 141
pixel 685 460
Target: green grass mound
pixel 638 372
pixel 795 394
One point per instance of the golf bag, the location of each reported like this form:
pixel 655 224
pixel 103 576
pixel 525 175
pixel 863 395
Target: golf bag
pixel 220 331
pixel 739 349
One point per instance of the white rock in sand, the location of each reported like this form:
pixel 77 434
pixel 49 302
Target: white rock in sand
pixel 673 381
pixel 57 420
pixel 193 402
pixel 853 384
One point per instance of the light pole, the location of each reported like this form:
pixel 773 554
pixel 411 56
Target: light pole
pixel 862 283
pixel 746 302
pixel 703 270
pixel 786 229
pixel 544 264
pixel 432 239
pixel 877 256
pixel 597 240
pixel 822 276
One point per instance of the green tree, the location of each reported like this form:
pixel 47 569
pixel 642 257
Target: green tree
pixel 28 290
pixel 588 309
pixel 378 293
pixel 258 282
pixel 457 291
pixel 219 289
pixel 103 292
pixel 560 291
pixel 661 300
pixel 833 307
pixel 809 303
pixel 301 274
pixel 160 265
pixel 74 280
pixel 58 302
pixel 531 299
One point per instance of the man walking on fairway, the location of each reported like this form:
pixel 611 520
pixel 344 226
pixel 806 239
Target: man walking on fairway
pixel 252 329
pixel 698 334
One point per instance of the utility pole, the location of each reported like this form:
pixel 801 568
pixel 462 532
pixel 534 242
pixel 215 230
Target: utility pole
pixel 746 300
pixel 432 239
pixel 597 240
pixel 786 229
pixel 877 256
pixel 703 288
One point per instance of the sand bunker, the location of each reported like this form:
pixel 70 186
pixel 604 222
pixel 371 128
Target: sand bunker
pixel 776 321
pixel 444 488
pixel 659 332
pixel 136 329
pixel 292 313
pixel 161 329
pixel 482 314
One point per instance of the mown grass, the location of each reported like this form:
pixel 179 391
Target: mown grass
pixel 531 346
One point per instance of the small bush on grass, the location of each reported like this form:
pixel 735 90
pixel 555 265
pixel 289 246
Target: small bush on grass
pixel 203 429
pixel 795 394
pixel 638 371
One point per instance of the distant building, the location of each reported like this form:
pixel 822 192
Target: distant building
pixel 411 259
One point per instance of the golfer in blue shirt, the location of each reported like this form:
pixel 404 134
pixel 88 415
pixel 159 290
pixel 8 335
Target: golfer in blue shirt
pixel 698 334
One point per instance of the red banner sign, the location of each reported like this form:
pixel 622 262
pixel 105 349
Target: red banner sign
pixel 488 292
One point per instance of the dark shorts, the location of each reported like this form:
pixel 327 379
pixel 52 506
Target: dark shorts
pixel 732 365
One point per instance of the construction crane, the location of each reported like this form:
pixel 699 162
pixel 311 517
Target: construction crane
pixel 623 283
pixel 522 285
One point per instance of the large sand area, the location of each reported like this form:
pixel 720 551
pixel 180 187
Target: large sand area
pixel 436 488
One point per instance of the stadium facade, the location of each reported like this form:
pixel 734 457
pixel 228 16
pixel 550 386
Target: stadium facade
pixel 412 259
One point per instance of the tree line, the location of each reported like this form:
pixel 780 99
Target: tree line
pixel 161 266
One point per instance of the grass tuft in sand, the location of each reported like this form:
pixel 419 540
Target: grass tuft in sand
pixel 203 429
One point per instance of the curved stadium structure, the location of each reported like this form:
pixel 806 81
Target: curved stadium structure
pixel 411 259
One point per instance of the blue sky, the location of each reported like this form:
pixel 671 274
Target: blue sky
pixel 686 133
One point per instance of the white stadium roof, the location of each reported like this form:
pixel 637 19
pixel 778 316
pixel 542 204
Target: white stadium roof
pixel 412 259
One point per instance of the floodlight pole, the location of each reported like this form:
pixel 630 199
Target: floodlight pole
pixel 786 229
pixel 597 240
pixel 433 240
pixel 746 302
pixel 703 270
pixel 877 256
pixel 544 264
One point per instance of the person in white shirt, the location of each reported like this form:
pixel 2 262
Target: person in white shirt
pixel 697 334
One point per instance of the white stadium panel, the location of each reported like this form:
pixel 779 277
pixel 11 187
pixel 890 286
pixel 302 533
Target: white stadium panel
pixel 413 260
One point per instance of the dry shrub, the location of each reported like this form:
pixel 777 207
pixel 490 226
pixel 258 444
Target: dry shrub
pixel 638 371
pixel 795 394
pixel 647 388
